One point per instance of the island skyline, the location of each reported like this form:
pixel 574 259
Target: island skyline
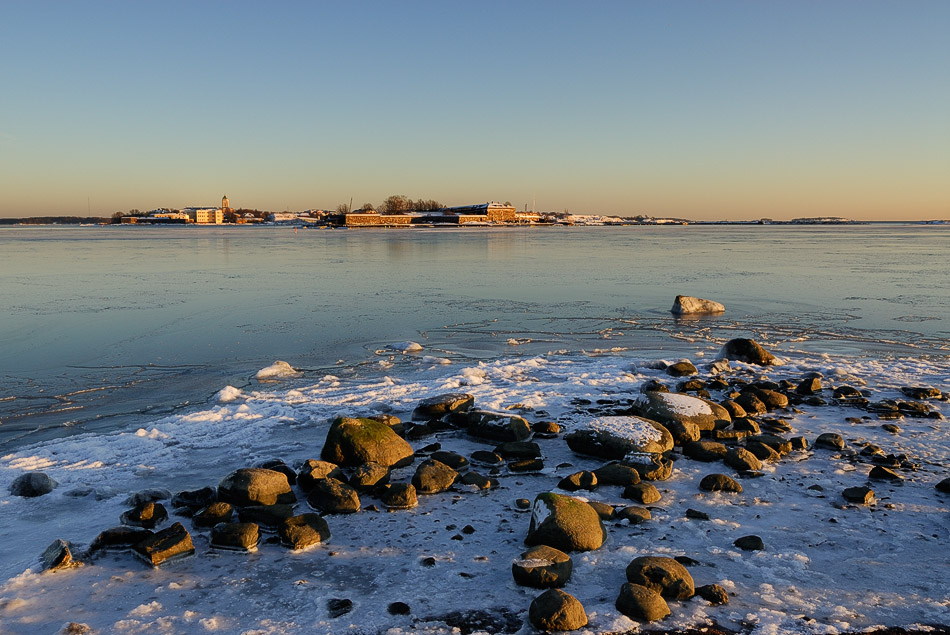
pixel 732 111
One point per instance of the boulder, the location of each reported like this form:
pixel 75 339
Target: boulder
pixel 617 474
pixel 441 405
pixel 119 538
pixel 719 483
pixel 681 369
pixel 270 516
pixel 58 556
pixel 579 480
pixel 168 544
pixel 706 451
pixel 542 567
pixel 190 501
pixel 453 459
pixel 236 536
pixel 749 543
pixel 641 603
pixel 682 431
pixel 748 351
pixel 615 437
pixel 213 514
pixel 146 515
pixel 751 403
pixel 433 477
pixel 633 515
pixel 735 410
pixel 398 496
pixel 32 484
pixel 565 523
pixel 688 305
pixel 368 476
pixel 279 466
pixel 495 426
pixel 605 511
pixel 555 610
pixel 713 593
pixel 148 496
pixel 742 460
pixel 305 530
pixel 353 442
pixel 255 486
pixel 664 575
pixel 331 496
pixel 808 386
pixel 478 481
pixel 643 493
pixel 829 441
pixel 313 470
pixel 859 495
pixel 668 407
pixel 650 467
pixel 943 486
pixel 518 450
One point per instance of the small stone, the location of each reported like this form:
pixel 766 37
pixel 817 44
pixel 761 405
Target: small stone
pixel 707 451
pixel 58 556
pixel 750 543
pixel 681 369
pixel 338 607
pixel 696 514
pixel 742 460
pixel 546 429
pixel 236 536
pixel 168 544
pixel 146 515
pixel 542 567
pixel 943 486
pixel 32 484
pixel 892 428
pixel 713 593
pixel 213 514
pixel 579 481
pixel 605 511
pixel 830 441
pixel 633 515
pixel 398 608
pixel 305 530
pixel 119 538
pixel 523 503
pixel 881 473
pixel 526 465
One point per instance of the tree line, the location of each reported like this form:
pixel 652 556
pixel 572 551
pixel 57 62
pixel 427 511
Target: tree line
pixel 396 204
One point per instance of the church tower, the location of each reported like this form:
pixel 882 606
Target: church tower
pixel 225 204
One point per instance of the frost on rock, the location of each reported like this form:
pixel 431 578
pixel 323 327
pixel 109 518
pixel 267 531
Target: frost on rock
pixel 277 370
pixel 405 347
pixel 634 429
pixel 684 404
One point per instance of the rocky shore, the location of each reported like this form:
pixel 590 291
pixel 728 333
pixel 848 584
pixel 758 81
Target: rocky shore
pixel 685 454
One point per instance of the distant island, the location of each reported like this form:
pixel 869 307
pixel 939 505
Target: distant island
pixel 402 211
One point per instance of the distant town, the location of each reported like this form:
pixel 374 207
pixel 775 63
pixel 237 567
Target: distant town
pixel 397 211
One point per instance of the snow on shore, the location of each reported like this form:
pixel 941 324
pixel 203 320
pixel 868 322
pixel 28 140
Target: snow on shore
pixel 828 567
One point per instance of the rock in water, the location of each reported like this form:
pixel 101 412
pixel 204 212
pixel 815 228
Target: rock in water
pixel 305 530
pixel 331 496
pixel 353 442
pixel 565 523
pixel 719 483
pixel 664 575
pixel 748 351
pixel 555 610
pixel 441 405
pixel 58 556
pixel 32 484
pixel 255 486
pixel 688 305
pixel 167 544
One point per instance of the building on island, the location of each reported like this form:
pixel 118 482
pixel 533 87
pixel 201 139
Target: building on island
pixel 205 215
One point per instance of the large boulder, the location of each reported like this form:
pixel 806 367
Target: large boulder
pixel 255 486
pixel 667 407
pixel 748 351
pixel 555 610
pixel 353 442
pixel 613 438
pixel 32 484
pixel 542 567
pixel 664 575
pixel 565 523
pixel 688 305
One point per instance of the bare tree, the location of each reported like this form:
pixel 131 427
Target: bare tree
pixel 396 204
pixel 367 207
pixel 343 208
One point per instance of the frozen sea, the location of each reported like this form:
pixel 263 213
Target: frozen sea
pixel 129 360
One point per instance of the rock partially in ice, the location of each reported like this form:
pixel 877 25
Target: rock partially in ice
pixel 277 370
pixel 688 305
pixel 32 484
pixel 405 347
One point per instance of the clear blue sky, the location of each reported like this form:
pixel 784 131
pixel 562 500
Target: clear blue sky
pixel 691 109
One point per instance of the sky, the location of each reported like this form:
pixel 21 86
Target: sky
pixel 701 110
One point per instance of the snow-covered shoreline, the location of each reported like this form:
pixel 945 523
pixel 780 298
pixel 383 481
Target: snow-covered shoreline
pixel 828 566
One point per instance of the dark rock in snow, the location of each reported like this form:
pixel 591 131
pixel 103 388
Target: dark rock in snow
pixel 542 567
pixel 368 476
pixel 305 530
pixel 829 441
pixel 742 460
pixel 664 575
pixel 398 608
pixel 518 450
pixel 668 407
pixel 546 429
pixel 119 538
pixel 579 480
pixel 641 603
pixel 943 486
pixel 58 556
pixel 453 459
pixel 486 458
pixel 719 483
pixel 762 451
pixel 279 466
pixel 255 486
pixel 565 523
pixel 713 593
pixel 32 484
pixel 615 437
pixel 147 515
pixel 650 467
pixel 808 386
pixel 555 610
pixel 696 514
pixel 193 500
pixel 653 385
pixel 707 451
pixel 338 607
pixel 921 392
pixel 643 493
pixel 683 432
pixel 633 515
pixel 398 496
pixel 496 426
pixel 749 543
pixel 681 369
pixel 859 495
pixel 270 516
pixel 168 544
pixel 235 536
pixel 148 496
pixel 478 481
pixel 605 511
pixel 213 514
pixel 617 474
pixel 526 466
pixel 751 403
pixel 734 409
pixel 881 473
